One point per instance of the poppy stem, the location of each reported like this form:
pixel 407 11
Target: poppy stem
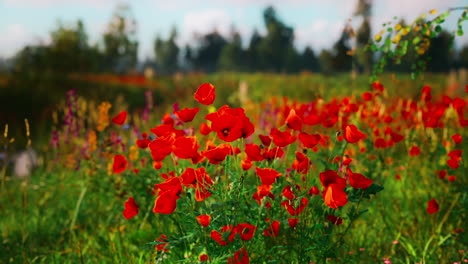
pixel 77 209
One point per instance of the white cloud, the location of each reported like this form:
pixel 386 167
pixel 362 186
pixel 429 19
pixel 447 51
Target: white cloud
pixel 203 22
pixel 320 34
pixel 50 3
pixel 13 38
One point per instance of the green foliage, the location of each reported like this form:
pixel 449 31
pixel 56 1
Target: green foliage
pixel 422 45
pixel 167 53
pixel 120 45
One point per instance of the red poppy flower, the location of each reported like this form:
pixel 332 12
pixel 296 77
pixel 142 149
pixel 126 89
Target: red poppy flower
pixel 204 257
pixel 347 161
pixel 202 191
pixel 168 194
pixel 253 152
pixel 288 193
pixel 367 96
pixel 414 151
pixel 205 129
pixel 426 93
pixel 273 153
pixel 120 118
pixel 198 179
pixel 167 119
pixel 301 163
pixel 266 140
pixel 432 206
pixel 309 141
pixel 230 124
pixel 313 191
pixel 442 174
pixel 131 208
pixel 268 176
pixel 272 230
pixel 313 119
pixel 157 165
pixel 454 164
pixel 218 154
pixel 293 222
pixel 228 128
pixel 358 181
pixel 334 196
pixel 187 114
pixel 330 176
pixel 240 257
pixel 186 147
pixel 295 211
pixel 143 143
pixel 457 139
pixel 352 134
pixel 165 203
pixel 378 86
pixel 455 158
pixel 205 94
pixel 204 220
pixel 282 139
pixel 166 129
pixel 162 245
pixel 263 191
pixel 161 147
pixel 120 163
pixel 395 136
pixel 246 231
pixel 459 104
pixel 218 236
pixel 293 121
pixel 455 154
pixel 335 219
pixel 246 164
pixel 380 143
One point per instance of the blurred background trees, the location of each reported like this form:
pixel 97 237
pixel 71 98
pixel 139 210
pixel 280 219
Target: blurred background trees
pixel 69 50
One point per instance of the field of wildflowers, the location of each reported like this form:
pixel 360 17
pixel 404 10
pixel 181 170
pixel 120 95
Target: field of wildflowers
pixel 364 178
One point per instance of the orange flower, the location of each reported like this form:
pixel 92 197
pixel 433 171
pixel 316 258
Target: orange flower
pixel 103 121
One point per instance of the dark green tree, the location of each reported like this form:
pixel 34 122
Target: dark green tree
pixel 120 44
pixel 232 57
pixel 276 45
pixel 463 57
pixel 167 53
pixel 342 61
pixel 252 52
pixel 326 61
pixel 209 49
pixel 292 61
pixel 440 53
pixel 310 62
pixel 363 56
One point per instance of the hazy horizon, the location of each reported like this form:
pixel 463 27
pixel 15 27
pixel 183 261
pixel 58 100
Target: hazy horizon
pixel 316 23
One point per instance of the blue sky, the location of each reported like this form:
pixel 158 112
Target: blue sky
pixel 317 23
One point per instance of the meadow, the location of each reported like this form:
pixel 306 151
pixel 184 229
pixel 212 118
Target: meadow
pixel 300 168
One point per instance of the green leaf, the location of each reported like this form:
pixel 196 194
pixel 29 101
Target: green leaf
pixel 416 40
pixel 438 28
pixel 404 47
pixel 373 189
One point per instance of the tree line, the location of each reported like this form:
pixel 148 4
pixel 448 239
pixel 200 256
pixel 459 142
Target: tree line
pixel 274 51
